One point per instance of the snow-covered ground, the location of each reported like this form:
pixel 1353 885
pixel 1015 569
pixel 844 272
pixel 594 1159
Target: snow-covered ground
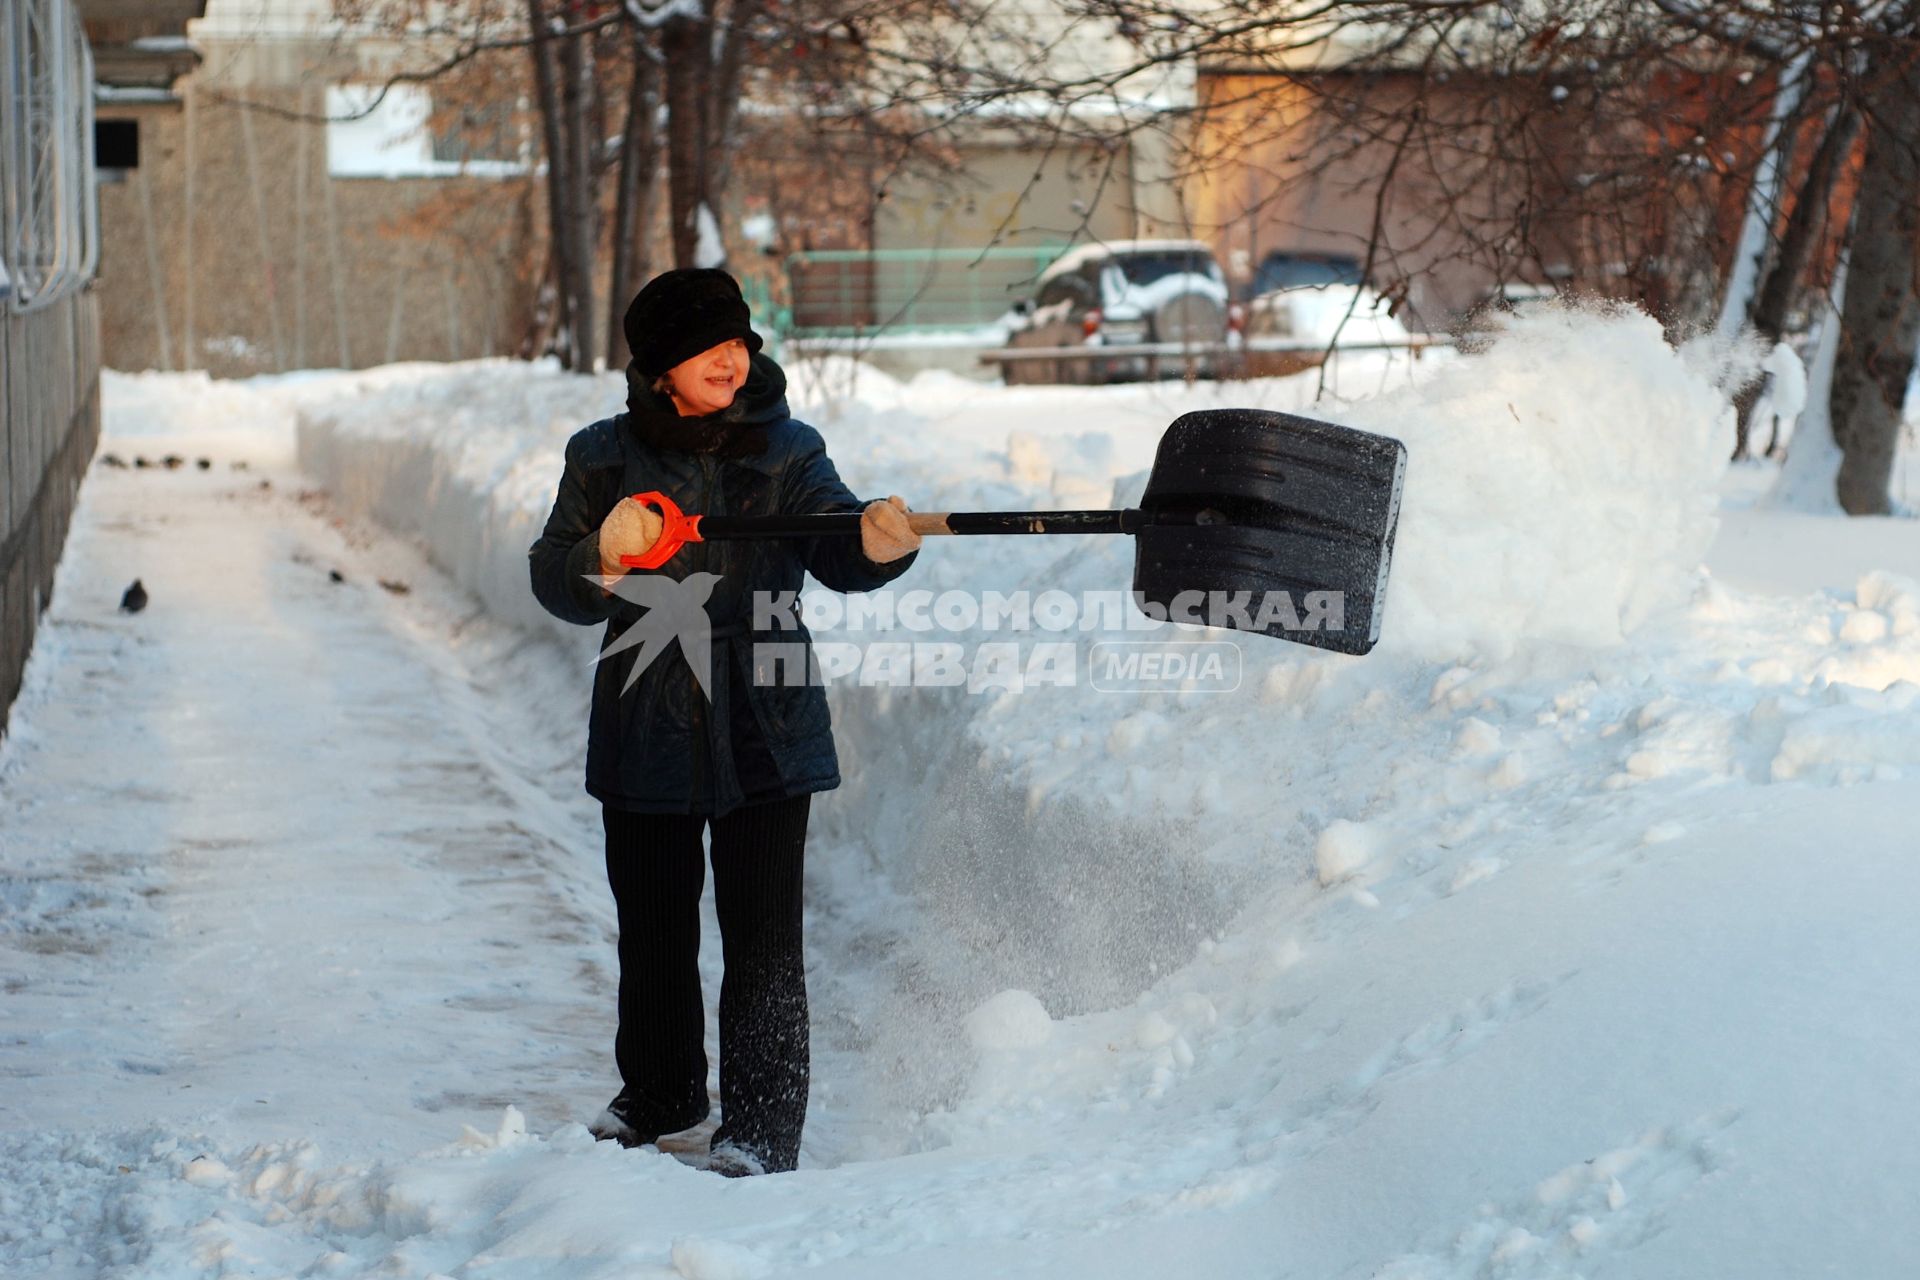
pixel 1566 934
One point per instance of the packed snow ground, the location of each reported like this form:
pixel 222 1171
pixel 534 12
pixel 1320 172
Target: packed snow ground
pixel 1567 934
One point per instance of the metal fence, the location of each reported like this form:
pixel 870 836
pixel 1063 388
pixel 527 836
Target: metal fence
pixel 50 323
pixel 772 319
pixel 1257 357
pixel 852 292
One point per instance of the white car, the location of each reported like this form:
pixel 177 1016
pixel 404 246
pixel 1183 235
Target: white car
pixel 1123 293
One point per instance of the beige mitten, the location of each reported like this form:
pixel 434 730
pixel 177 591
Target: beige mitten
pixel 629 529
pixel 885 534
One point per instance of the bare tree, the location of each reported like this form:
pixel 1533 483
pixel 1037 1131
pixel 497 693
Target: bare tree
pixel 1612 145
pixel 704 53
pixel 1880 322
pixel 676 72
pixel 1793 259
pixel 634 201
pixel 563 254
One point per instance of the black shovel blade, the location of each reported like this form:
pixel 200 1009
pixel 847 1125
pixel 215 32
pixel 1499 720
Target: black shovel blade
pixel 1298 515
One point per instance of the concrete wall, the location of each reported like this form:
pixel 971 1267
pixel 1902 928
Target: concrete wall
pixel 1013 193
pixel 230 249
pixel 49 425
pixel 1277 173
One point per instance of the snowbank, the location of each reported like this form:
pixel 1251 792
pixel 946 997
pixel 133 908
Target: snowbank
pixel 465 458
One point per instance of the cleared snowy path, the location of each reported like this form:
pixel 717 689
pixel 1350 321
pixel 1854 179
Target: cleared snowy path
pixel 271 863
pixel 297 867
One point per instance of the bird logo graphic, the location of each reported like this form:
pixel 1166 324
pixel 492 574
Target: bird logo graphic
pixel 676 609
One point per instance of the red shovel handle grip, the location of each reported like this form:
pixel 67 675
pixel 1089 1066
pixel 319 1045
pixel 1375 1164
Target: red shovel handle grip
pixel 676 530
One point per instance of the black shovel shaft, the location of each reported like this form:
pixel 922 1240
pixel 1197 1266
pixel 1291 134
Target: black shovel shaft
pixel 1129 520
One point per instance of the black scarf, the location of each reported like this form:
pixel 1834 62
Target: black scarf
pixel 737 431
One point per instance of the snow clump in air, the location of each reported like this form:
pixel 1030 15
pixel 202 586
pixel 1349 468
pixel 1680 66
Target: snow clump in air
pixel 1561 486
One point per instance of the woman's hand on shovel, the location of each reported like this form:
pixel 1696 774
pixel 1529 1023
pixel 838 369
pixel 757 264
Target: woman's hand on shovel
pixel 885 534
pixel 629 529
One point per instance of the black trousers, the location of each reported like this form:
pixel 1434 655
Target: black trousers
pixel 657 869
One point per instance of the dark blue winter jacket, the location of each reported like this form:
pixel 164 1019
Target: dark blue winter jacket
pixel 664 746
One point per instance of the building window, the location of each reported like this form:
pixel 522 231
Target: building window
pixel 397 137
pixel 116 144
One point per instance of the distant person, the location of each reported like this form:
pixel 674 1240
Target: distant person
pixel 707 424
pixel 1786 390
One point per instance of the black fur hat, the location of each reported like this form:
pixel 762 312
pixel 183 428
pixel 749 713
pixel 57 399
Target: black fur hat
pixel 683 312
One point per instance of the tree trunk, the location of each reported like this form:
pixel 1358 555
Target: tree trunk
pixel 722 112
pixel 1763 200
pixel 542 323
pixel 559 225
pixel 633 203
pixel 1797 243
pixel 581 205
pixel 1881 320
pixel 688 52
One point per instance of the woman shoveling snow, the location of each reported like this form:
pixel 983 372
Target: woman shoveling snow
pixel 722 729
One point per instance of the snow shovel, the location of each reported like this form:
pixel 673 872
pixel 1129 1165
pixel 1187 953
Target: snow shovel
pixel 1251 519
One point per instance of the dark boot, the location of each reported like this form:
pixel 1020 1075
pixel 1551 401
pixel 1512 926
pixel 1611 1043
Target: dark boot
pixel 731 1160
pixel 628 1125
